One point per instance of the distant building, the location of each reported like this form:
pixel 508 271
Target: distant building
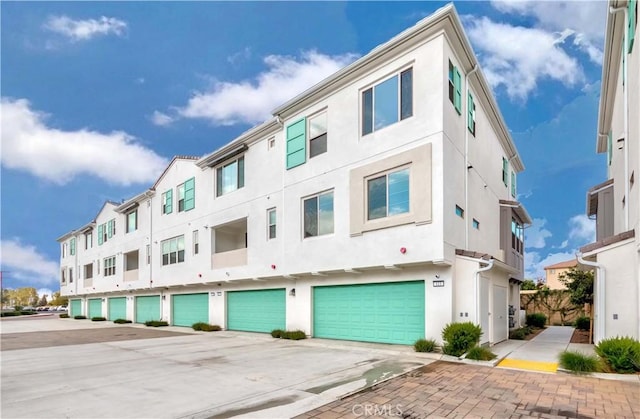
pixel 554 272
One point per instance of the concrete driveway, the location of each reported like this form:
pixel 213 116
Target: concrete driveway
pixel 193 375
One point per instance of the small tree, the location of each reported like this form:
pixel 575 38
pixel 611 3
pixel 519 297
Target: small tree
pixel 580 286
pixel 43 301
pixel 528 285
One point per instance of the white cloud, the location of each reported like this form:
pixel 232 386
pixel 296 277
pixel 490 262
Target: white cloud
pixel 585 19
pixel 250 101
pixel 242 55
pixel 536 234
pixel 161 119
pixel 83 30
pixel 26 264
pixel 535 264
pixel 45 291
pixel 517 57
pixel 28 144
pixel 583 229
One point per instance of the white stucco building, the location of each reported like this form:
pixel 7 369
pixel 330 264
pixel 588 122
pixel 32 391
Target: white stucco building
pixel 615 203
pixel 379 205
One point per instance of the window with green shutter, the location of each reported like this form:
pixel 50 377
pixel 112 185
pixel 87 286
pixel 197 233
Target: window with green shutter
pixel 457 81
pixel 100 234
pixel 513 184
pixel 471 115
pixel 296 143
pixel 190 194
pixel 167 202
pixel 505 171
pixel 110 228
pixel 632 17
pixel 72 246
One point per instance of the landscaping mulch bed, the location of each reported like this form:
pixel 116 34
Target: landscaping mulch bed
pixel 535 332
pixel 580 336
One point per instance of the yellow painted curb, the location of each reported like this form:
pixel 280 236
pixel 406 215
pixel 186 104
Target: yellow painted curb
pixel 521 364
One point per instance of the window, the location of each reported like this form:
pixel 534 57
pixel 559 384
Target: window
pixel 148 254
pixel 109 266
pixel 455 87
pixel 181 197
pixel 132 221
pixel 88 240
pixel 63 276
pixel 459 211
pixel 471 115
pixel 517 236
pixel 196 244
pixel 513 184
pixel 505 171
pixel 173 251
pixel 552 271
pixel 271 223
pixel 167 202
pixel 388 195
pixel 387 102
pixel 72 246
pixel 88 271
pixel 230 177
pixel 609 148
pixel 317 134
pixel 64 250
pixel 476 224
pixel 318 215
pixel 271 143
pixel 70 275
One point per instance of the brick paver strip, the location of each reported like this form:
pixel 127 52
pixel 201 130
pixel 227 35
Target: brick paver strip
pixel 12 341
pixel 444 389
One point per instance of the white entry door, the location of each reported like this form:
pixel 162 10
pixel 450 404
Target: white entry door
pixel 500 314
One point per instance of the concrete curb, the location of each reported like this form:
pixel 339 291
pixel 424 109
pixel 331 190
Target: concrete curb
pixel 630 378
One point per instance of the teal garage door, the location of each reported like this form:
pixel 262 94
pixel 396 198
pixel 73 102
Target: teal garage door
pixel 75 308
pixel 390 312
pixel 147 308
pixel 95 307
pixel 256 311
pixel 188 309
pixel 117 308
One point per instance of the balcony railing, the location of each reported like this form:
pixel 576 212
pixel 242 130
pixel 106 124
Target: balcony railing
pixel 237 257
pixel 131 275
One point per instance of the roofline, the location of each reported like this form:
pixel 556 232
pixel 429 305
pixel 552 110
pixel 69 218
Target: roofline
pixel 135 200
pixel 166 169
pixel 610 67
pixel 559 264
pixel 520 210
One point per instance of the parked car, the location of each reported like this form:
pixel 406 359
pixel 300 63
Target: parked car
pixel 62 308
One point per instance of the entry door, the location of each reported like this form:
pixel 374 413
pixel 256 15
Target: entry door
pixel 484 309
pixel 500 314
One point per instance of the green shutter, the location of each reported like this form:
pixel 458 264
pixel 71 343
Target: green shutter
pixel 505 171
pixel 297 143
pixel 72 246
pixel 100 234
pixel 110 229
pixel 457 83
pixel 470 117
pixel 168 204
pixel 631 25
pixel 190 194
pixel 609 148
pixel 513 184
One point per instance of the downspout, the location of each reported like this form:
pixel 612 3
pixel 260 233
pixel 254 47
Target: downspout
pixel 476 282
pixel 466 158
pixel 625 94
pixel 599 294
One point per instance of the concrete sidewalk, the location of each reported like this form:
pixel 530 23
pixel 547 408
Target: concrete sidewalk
pixel 540 353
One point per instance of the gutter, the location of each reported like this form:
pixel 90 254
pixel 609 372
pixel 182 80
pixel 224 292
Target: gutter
pixel 599 294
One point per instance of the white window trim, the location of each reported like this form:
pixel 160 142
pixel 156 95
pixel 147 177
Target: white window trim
pixel 274 224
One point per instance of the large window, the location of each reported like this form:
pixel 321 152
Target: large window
pixel 388 195
pixel 173 250
pixel 387 102
pixel 88 271
pixel 318 215
pixel 455 87
pixel 230 177
pixel 132 221
pixel 88 240
pixel 517 236
pixel 271 223
pixel 317 134
pixel 109 266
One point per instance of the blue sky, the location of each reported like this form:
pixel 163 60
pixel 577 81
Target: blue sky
pixel 97 97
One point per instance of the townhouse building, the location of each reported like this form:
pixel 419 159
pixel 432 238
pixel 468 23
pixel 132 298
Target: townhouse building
pixel 615 203
pixel 379 205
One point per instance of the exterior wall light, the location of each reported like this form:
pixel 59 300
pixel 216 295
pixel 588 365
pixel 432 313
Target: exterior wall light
pixel 292 293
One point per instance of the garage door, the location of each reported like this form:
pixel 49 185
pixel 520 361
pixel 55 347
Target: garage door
pixel 75 308
pixel 117 308
pixel 385 313
pixel 147 308
pixel 188 309
pixel 256 311
pixel 95 307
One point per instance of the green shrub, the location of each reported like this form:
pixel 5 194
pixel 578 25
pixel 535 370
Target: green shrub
pixel 519 334
pixel 578 362
pixel 98 319
pixel 10 314
pixel 536 320
pixel 64 316
pixel 294 335
pixel 17 308
pixel 277 333
pixel 479 353
pixel 460 337
pixel 206 327
pixel 121 321
pixel 79 317
pixel 425 345
pixel 583 323
pixel 622 354
pixel 156 323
